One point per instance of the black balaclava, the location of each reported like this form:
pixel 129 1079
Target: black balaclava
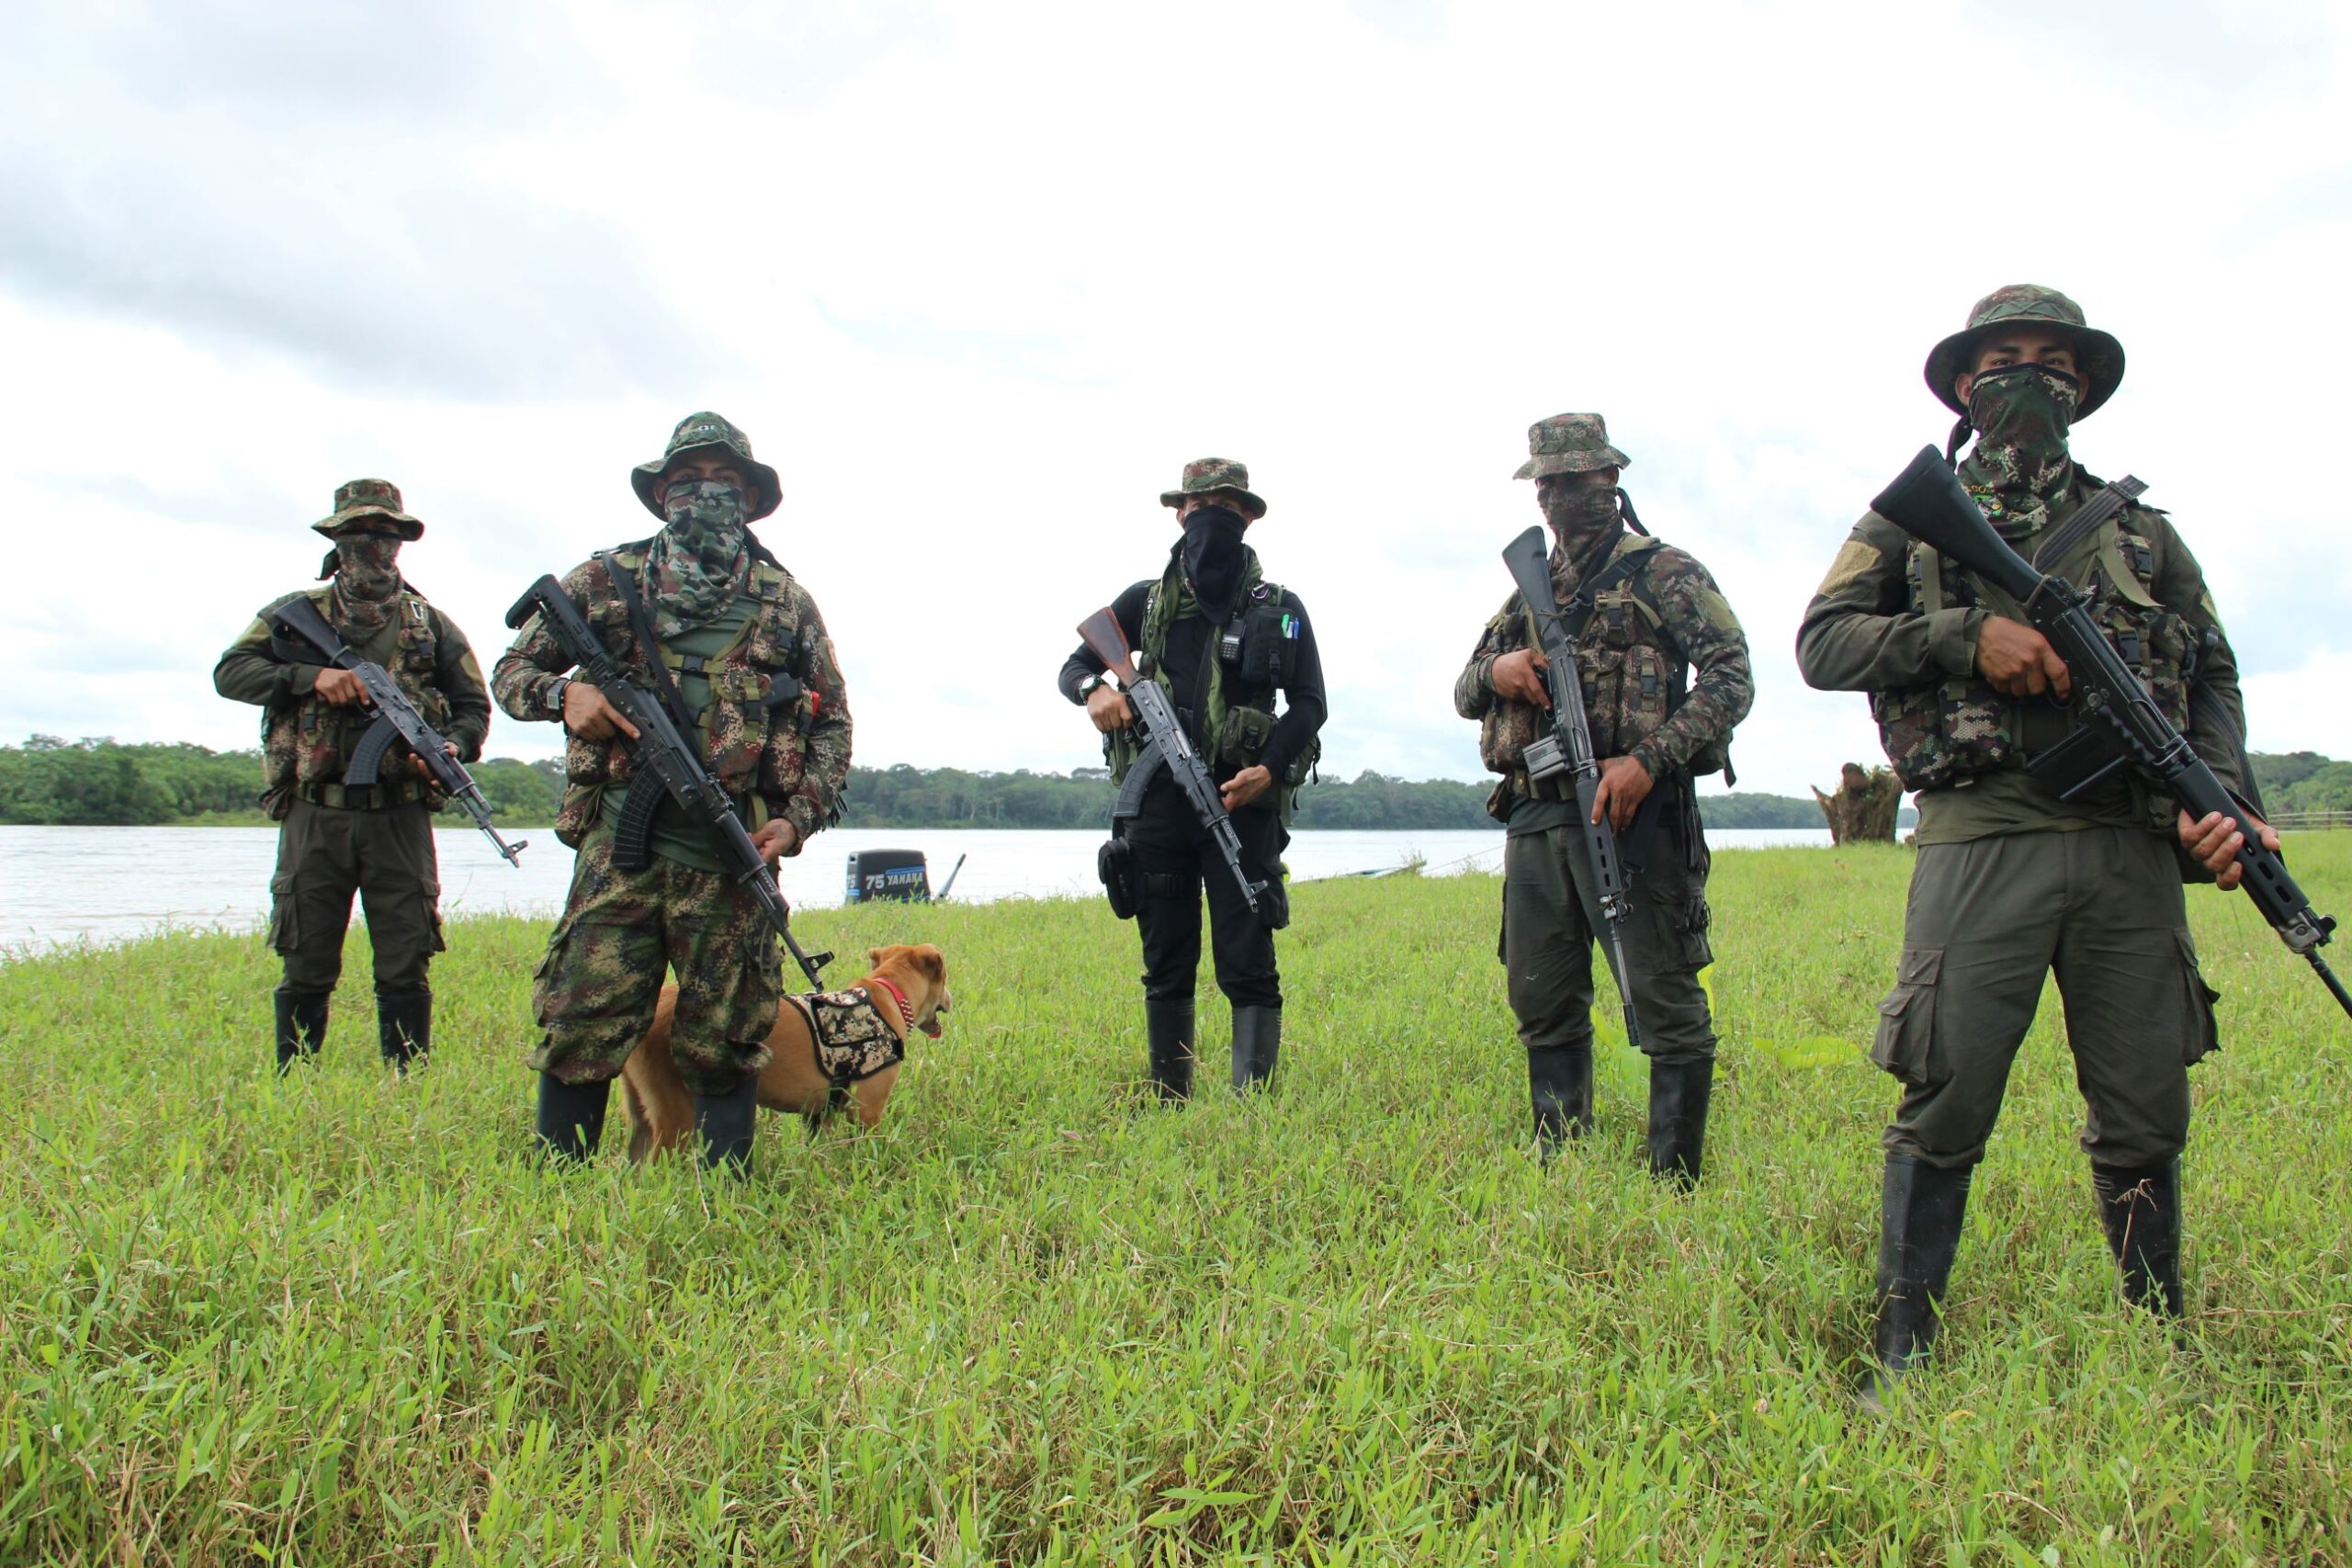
pixel 1212 551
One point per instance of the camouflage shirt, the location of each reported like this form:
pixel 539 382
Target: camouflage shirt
pixel 1663 623
pixel 1893 620
pixel 793 759
pixel 307 744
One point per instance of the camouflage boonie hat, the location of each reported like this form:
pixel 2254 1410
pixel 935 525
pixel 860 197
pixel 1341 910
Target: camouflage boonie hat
pixel 1215 476
pixel 708 429
pixel 359 499
pixel 1569 443
pixel 2099 356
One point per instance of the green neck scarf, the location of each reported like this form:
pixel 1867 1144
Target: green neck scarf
pixel 1170 603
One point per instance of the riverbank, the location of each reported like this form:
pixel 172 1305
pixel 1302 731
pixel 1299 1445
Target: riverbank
pixel 1031 1318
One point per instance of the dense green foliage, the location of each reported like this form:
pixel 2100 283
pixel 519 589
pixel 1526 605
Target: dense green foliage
pixel 2302 781
pixel 103 782
pixel 1031 1318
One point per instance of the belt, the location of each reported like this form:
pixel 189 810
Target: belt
pixel 373 797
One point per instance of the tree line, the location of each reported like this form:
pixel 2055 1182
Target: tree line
pixel 104 782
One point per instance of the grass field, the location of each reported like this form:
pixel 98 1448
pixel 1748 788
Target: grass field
pixel 346 1319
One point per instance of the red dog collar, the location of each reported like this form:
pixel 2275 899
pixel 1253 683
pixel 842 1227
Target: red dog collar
pixel 906 1007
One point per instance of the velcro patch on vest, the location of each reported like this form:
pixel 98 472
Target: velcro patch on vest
pixel 853 1040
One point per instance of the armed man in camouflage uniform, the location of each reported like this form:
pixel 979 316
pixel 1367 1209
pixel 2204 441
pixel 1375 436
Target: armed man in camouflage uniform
pixel 2011 882
pixel 1655 621
pixel 377 842
pixel 730 626
pixel 1224 641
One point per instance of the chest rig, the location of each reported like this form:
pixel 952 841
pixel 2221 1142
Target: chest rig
pixel 761 697
pixel 309 744
pixel 1249 659
pixel 1956 729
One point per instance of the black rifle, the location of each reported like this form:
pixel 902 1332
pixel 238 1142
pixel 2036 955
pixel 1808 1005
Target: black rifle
pixel 1162 730
pixel 671 760
pixel 1568 749
pixel 2119 724
pixel 298 629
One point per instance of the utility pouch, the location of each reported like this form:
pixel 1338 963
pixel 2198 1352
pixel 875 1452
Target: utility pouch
pixel 1114 862
pixel 1244 735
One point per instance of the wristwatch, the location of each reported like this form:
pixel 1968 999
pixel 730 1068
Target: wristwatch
pixel 555 694
pixel 1086 688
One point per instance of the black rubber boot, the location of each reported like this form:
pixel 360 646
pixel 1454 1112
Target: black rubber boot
pixel 1559 1084
pixel 1257 1041
pixel 1679 1096
pixel 404 1028
pixel 1168 1026
pixel 1920 1210
pixel 2140 1211
pixel 571 1116
pixel 301 1024
pixel 729 1124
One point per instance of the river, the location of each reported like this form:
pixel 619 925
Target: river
pixel 62 885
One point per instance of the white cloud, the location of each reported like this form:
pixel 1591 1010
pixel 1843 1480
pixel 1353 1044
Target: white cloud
pixel 978 282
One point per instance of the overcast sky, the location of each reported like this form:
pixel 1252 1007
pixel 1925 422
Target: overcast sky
pixel 978 279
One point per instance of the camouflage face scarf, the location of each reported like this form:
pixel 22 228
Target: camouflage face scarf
pixel 1580 514
pixel 366 580
pixel 698 565
pixel 2019 464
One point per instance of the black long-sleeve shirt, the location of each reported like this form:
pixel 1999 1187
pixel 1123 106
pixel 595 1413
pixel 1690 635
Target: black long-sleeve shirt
pixel 1303 709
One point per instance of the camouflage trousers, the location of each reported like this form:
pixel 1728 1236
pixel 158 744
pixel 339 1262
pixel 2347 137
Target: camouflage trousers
pixel 1990 921
pixel 596 991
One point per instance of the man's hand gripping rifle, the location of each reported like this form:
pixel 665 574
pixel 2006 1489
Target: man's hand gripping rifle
pixel 670 759
pixel 1101 633
pixel 298 633
pixel 1568 749
pixel 2120 725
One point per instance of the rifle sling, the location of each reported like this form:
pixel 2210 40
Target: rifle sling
pixel 665 689
pixel 2110 500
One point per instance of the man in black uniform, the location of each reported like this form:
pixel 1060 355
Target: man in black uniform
pixel 1224 641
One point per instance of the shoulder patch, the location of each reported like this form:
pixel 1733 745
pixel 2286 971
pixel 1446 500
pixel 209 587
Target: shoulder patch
pixel 1854 558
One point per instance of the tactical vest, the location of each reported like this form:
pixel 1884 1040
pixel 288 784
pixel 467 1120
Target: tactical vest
pixel 1635 678
pixel 307 744
pixel 1958 727
pixel 1256 649
pixel 747 707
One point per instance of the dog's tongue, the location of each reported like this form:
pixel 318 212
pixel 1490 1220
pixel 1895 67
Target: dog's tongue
pixel 930 1026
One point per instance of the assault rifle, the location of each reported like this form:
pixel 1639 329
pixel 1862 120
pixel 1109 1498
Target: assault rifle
pixel 298 629
pixel 1101 633
pixel 1568 749
pixel 668 757
pixel 2120 725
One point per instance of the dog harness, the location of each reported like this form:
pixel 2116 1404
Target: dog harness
pixel 851 1039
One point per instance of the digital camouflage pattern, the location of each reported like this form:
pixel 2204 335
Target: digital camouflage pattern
pixel 854 1040
pixel 366 580
pixel 2098 354
pixel 698 565
pixel 2019 464
pixel 1893 619
pixel 355 500
pixel 1664 622
pixel 1569 443
pixel 307 743
pixel 693 434
pixel 1216 476
pixel 594 993
pixel 793 759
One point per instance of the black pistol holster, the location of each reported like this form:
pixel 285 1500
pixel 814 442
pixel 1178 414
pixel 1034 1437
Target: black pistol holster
pixel 1115 860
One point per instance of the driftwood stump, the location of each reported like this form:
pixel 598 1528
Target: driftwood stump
pixel 1864 808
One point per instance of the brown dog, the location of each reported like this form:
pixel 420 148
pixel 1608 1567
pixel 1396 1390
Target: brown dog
pixel 660 1109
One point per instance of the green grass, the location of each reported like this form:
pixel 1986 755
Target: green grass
pixel 346 1319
